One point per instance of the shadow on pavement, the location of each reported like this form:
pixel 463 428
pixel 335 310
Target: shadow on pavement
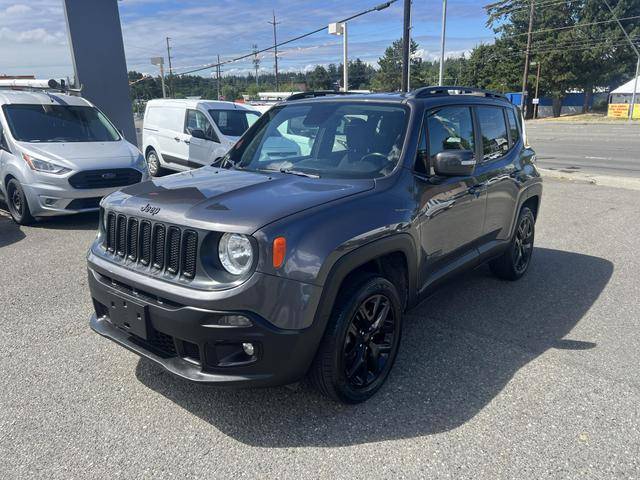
pixel 459 349
pixel 10 231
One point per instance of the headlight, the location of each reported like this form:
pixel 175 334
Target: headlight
pixel 44 166
pixel 236 253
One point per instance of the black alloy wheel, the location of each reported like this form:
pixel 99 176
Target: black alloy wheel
pixel 515 261
pixel 369 341
pixel 361 340
pixel 523 244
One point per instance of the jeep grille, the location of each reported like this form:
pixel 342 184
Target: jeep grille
pixel 167 248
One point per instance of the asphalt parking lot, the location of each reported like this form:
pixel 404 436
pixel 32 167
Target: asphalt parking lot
pixel 534 379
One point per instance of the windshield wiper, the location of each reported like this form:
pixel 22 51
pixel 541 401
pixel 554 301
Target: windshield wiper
pixel 299 173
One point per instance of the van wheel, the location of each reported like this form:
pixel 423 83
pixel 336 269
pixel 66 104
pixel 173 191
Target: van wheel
pixel 17 202
pixel 361 342
pixel 514 262
pixel 155 170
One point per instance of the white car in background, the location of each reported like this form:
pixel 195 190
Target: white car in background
pixel 183 134
pixel 60 155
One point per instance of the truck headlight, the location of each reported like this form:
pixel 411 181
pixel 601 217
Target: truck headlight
pixel 43 166
pixel 236 253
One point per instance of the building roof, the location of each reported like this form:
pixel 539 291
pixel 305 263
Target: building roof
pixel 628 87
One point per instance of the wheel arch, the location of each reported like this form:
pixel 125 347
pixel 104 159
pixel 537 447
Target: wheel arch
pixel 393 257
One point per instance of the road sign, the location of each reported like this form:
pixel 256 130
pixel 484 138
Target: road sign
pixel 536 101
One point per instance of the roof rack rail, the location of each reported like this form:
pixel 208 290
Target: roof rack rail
pixel 317 93
pixel 426 92
pixel 32 84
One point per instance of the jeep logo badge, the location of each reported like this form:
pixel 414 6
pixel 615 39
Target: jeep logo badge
pixel 149 209
pixel 109 176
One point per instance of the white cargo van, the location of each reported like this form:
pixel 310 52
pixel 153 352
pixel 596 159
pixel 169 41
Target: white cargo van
pixel 183 134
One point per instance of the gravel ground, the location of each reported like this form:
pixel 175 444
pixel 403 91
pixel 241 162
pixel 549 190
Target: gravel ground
pixel 534 379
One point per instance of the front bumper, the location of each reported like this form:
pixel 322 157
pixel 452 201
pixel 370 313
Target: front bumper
pixel 187 341
pixel 57 197
pixel 51 200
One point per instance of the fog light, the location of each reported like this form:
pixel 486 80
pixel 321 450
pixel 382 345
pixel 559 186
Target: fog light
pixel 234 321
pixel 248 349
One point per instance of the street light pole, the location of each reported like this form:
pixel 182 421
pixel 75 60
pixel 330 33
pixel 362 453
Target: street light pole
pixel 345 60
pixel 442 42
pixel 635 89
pixel 635 49
pixel 406 46
pixel 159 61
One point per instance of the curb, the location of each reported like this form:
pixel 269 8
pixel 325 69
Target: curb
pixel 602 180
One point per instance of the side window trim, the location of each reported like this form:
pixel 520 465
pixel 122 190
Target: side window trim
pixel 423 135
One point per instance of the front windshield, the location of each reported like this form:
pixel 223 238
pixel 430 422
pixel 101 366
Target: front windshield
pixel 233 123
pixel 329 139
pixel 59 123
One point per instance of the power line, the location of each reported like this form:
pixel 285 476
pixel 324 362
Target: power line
pixel 382 6
pixel 579 25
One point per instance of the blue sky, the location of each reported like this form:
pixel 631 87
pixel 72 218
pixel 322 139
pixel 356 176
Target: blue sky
pixel 34 41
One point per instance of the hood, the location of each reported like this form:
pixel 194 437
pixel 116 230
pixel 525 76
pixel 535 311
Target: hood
pixel 229 200
pixel 84 155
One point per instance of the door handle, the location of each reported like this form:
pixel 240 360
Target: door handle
pixel 187 142
pixel 177 139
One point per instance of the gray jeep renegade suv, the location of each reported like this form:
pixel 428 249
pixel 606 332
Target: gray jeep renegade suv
pixel 298 253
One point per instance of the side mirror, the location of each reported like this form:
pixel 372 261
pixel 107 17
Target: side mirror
pixel 217 162
pixel 454 163
pixel 198 133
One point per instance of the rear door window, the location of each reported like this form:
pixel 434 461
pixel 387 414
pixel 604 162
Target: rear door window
pixel 495 140
pixel 514 128
pixel 450 128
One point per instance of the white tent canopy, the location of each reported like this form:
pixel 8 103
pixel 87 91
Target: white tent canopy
pixel 627 87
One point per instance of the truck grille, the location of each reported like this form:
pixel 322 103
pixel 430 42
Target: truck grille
pixel 167 248
pixel 117 177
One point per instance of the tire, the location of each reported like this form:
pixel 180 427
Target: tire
pixel 17 203
pixel 515 261
pixel 153 162
pixel 360 345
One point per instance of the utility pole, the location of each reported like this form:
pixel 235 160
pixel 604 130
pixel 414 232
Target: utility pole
pixel 256 61
pixel 406 45
pixel 535 107
pixel 275 45
pixel 442 42
pixel 635 49
pixel 171 91
pixel 218 77
pixel 525 77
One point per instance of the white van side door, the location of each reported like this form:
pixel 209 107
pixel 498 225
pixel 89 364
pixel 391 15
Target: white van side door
pixel 200 149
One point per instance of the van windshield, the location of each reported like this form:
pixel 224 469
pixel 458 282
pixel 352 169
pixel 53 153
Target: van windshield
pixel 233 123
pixel 340 139
pixel 59 123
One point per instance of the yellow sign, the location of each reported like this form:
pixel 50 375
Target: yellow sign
pixel 621 110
